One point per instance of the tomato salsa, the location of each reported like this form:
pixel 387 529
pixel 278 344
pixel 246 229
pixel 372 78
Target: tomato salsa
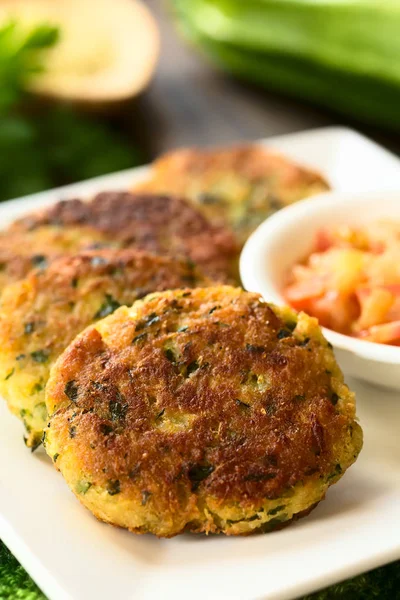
pixel 351 281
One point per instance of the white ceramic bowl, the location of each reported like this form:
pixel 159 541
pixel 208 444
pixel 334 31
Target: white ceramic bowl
pixel 289 235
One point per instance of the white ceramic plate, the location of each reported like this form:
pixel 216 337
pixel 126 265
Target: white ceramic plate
pixel 72 556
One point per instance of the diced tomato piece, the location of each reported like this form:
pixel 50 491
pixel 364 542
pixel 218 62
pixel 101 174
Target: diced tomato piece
pixel 335 311
pixel 323 241
pixel 299 294
pixel 339 282
pixel 377 247
pixel 388 333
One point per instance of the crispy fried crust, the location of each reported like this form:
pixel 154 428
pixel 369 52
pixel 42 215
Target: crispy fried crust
pixel 240 186
pixel 41 315
pixel 159 224
pixel 23 251
pixel 203 410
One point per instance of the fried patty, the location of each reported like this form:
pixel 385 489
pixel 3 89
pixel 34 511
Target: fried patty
pixel 205 410
pixel 22 251
pixel 165 225
pixel 240 186
pixel 42 314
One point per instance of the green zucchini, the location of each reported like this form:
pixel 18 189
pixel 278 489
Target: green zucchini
pixel 342 55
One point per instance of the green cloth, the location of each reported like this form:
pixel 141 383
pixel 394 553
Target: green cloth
pixel 382 584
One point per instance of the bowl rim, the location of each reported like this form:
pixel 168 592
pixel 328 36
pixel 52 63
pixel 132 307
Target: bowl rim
pixel 256 278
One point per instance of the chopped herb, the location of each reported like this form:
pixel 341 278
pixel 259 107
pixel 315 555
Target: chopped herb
pixel 248 377
pixel 213 309
pixel 273 523
pixel 283 333
pixel 118 408
pixel 153 318
pixel 71 390
pixel 255 349
pixel 182 329
pixel 241 403
pixel 74 282
pixel 170 355
pixel 20 357
pixel 10 374
pixel 197 473
pixel 186 294
pixel 40 356
pixel 133 473
pixel 338 471
pixel 72 431
pixel 253 518
pixel 291 325
pixel 107 308
pixel 139 338
pixel 39 261
pixel 260 476
pixel 147 321
pixel 304 342
pixel 105 429
pixel 299 398
pixel 145 496
pixel 55 456
pixel 113 487
pixel 271 409
pixel 29 327
pixel 26 424
pixel 82 487
pixel 97 385
pixel 37 388
pixel 192 368
pixel 328 372
pixel 160 414
pixel 334 398
pixel 207 198
pixel 36 442
pixel 277 509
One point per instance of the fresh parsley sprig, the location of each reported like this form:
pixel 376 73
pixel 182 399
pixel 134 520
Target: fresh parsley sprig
pixel 21 57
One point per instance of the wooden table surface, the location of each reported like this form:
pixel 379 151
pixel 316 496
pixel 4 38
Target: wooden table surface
pixel 192 103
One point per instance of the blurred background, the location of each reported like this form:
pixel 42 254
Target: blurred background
pixel 90 87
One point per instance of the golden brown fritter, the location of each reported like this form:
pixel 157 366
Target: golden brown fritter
pixel 22 251
pixel 164 225
pixel 42 314
pixel 240 186
pixel 202 410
